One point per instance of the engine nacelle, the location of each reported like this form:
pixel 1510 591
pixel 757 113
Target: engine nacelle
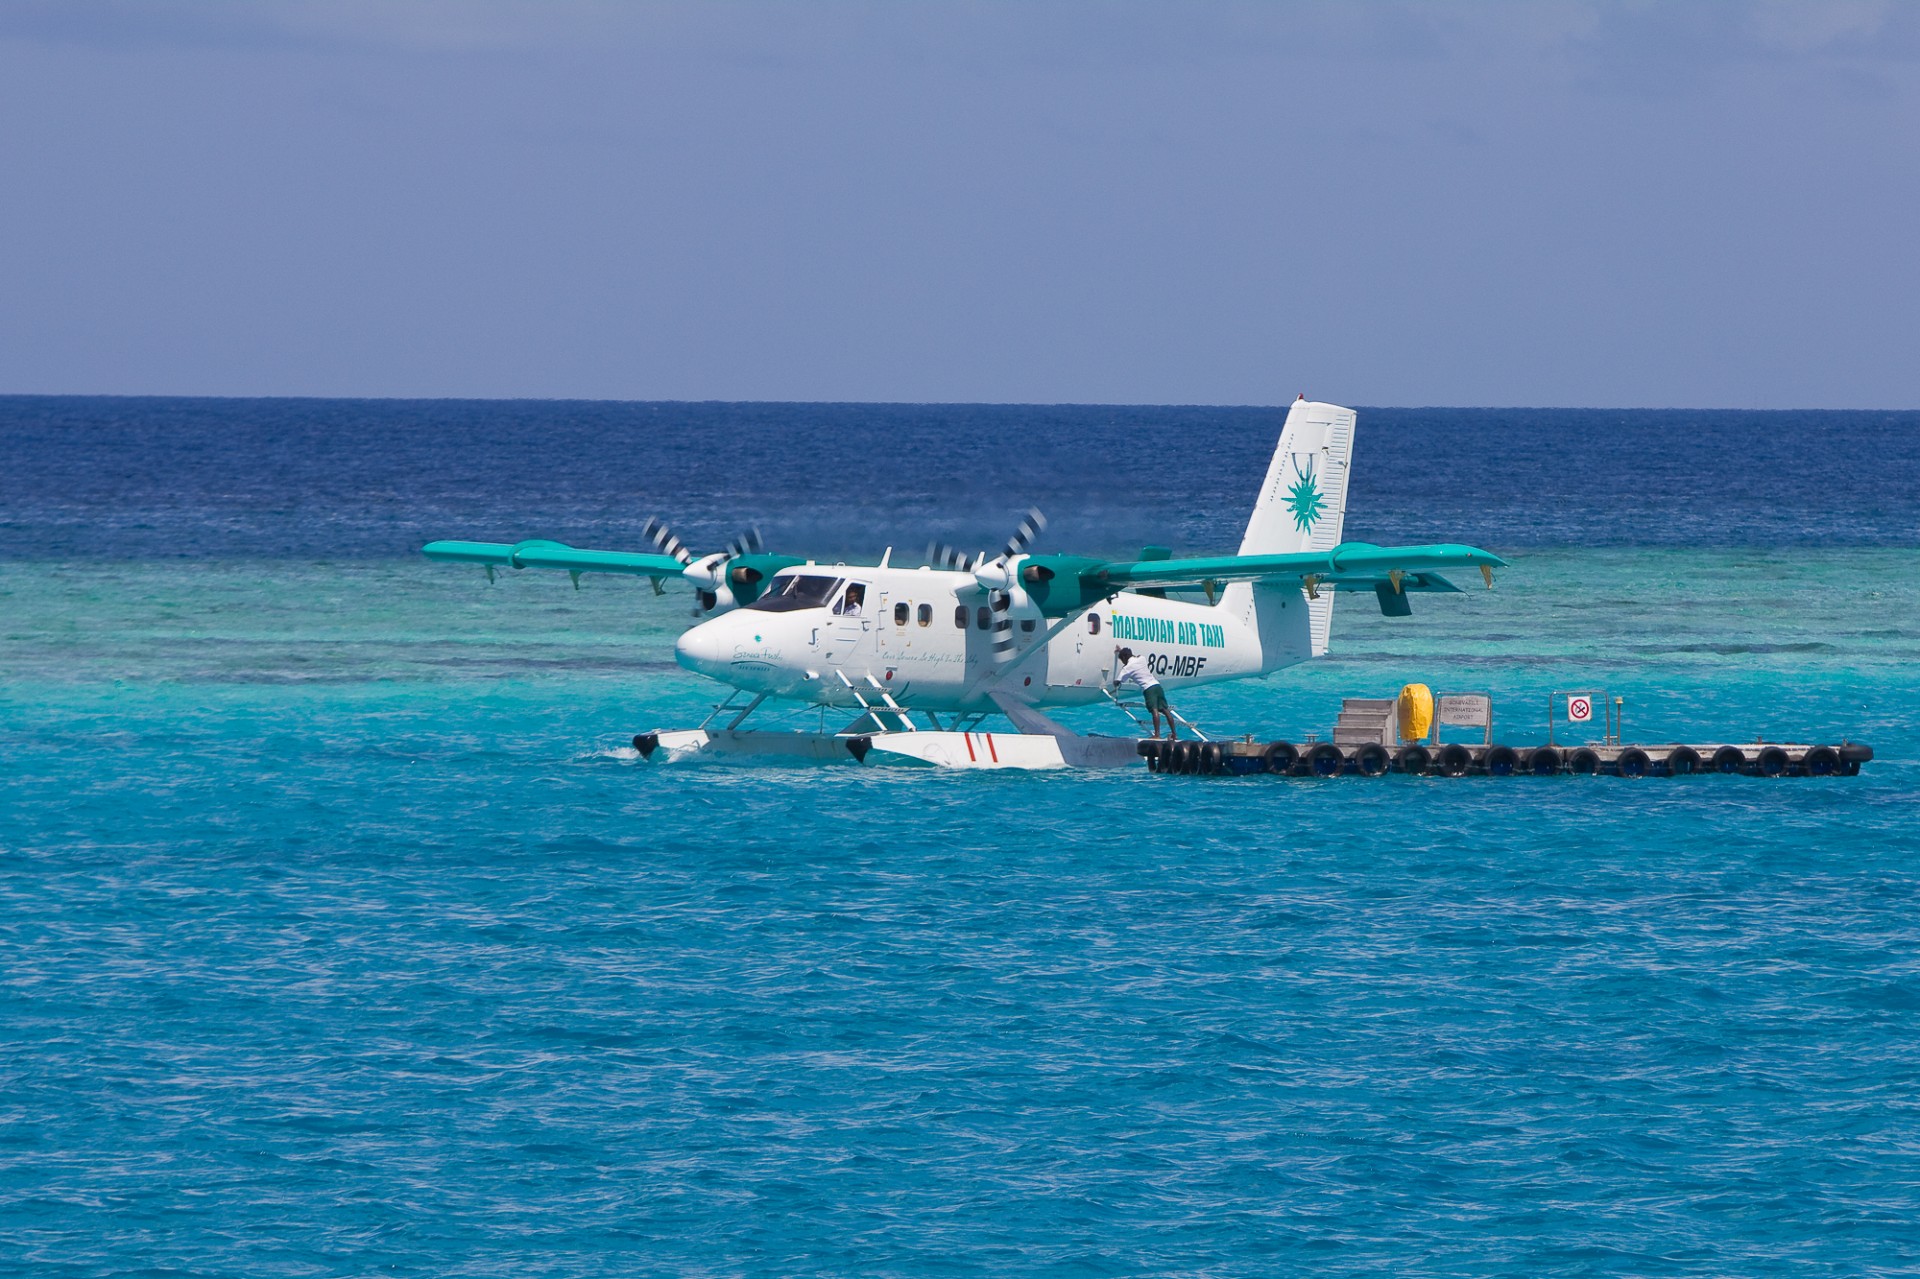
pixel 1059 584
pixel 712 603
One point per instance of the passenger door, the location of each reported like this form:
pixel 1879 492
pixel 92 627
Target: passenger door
pixel 849 624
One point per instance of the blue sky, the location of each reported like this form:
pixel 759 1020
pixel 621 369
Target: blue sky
pixel 1649 204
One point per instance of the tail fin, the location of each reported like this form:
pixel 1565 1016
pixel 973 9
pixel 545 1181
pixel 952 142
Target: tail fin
pixel 1302 507
pixel 1303 504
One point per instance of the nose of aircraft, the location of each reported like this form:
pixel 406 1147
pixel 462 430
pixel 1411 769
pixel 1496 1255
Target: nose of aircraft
pixel 704 648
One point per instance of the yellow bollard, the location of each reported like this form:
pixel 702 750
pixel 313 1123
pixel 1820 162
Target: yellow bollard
pixel 1416 712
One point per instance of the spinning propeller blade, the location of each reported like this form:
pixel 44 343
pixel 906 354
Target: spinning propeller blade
pixel 940 555
pixel 747 543
pixel 664 541
pixel 1032 524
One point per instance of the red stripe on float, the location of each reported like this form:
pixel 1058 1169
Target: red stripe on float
pixel 990 750
pixel 970 754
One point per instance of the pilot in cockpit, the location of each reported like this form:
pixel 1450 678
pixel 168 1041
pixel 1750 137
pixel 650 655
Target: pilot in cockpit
pixel 851 602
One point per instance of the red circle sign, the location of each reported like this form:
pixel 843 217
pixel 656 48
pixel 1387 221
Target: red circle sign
pixel 1579 708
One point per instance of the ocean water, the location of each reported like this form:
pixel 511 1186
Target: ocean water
pixel 341 932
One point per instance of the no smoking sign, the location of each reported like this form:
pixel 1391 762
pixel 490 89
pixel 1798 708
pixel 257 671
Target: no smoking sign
pixel 1579 709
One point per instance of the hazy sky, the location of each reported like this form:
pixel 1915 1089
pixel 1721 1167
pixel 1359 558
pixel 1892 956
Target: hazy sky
pixel 1395 203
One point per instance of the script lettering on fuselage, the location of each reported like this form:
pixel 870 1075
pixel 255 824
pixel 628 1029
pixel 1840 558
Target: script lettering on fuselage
pixel 1160 630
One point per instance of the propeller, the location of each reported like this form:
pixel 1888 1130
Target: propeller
pixel 942 555
pixel 1004 572
pixel 999 577
pixel 712 576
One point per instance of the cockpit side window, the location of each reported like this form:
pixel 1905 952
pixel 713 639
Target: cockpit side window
pixel 853 602
pixel 1093 623
pixel 801 590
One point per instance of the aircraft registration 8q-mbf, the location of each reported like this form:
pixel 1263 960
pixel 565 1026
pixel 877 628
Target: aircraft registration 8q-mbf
pixel 923 654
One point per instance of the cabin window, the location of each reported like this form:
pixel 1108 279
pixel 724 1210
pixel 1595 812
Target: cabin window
pixel 1093 623
pixel 1026 624
pixel 899 614
pixel 960 616
pixel 984 618
pixel 926 615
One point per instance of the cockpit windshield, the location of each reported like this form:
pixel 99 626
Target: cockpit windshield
pixel 802 590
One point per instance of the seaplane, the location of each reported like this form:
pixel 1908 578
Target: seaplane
pixel 928 656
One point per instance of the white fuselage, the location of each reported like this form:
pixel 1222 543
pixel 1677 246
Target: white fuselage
pixel 924 635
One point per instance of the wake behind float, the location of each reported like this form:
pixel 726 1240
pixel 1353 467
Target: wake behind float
pixel 1376 737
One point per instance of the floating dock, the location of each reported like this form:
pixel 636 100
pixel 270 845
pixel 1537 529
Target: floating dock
pixel 1459 759
pixel 1377 736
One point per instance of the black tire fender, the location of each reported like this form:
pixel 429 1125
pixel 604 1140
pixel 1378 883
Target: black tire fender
pixel 1632 762
pixel 1325 760
pixel 1543 761
pixel 1415 761
pixel 1372 760
pixel 1821 761
pixel 1455 760
pixel 1772 761
pixel 1682 761
pixel 1500 761
pixel 1583 761
pixel 1729 759
pixel 1280 757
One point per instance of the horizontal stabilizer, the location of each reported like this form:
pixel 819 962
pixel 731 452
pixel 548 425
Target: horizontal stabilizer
pixel 1384 582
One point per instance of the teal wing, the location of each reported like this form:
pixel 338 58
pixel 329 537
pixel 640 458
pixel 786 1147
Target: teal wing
pixel 1351 566
pixel 544 554
pixel 1061 583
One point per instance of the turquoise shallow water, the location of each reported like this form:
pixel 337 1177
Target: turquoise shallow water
pixel 342 935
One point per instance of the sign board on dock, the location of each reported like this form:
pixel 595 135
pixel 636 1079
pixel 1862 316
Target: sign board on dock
pixel 1579 708
pixel 1464 710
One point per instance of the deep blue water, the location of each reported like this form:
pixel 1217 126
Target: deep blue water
pixel 351 479
pixel 340 935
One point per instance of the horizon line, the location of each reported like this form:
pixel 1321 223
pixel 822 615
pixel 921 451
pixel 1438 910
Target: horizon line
pixel 1009 404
